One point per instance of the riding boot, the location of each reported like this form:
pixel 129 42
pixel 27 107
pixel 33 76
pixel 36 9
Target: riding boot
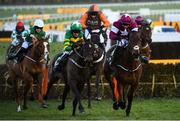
pixel 11 54
pixel 58 65
pixel 116 54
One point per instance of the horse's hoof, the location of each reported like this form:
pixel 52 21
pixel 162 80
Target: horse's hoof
pixel 32 98
pixel 122 105
pixel 115 106
pixel 61 107
pixel 89 107
pixel 81 111
pixel 45 105
pixel 19 109
pixel 127 113
pixel 98 98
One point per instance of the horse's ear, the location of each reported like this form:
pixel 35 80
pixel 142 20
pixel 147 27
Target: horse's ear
pixel 48 36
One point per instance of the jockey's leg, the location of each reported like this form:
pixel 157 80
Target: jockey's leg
pixel 22 51
pixel 60 61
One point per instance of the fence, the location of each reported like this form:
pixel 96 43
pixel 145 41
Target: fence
pixel 157 81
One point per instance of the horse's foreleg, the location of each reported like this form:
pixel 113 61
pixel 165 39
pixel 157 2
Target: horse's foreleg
pixel 40 91
pixel 89 93
pixel 27 87
pixel 75 101
pixel 17 94
pixel 80 88
pixel 76 92
pixel 122 102
pixel 65 92
pixel 130 98
pixel 98 79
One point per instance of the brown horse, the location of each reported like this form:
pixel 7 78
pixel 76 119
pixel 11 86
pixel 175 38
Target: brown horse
pixel 32 67
pixel 146 33
pixel 124 77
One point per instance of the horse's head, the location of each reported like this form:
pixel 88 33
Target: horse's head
pixel 134 43
pixel 95 36
pixel 87 51
pixel 146 34
pixel 41 49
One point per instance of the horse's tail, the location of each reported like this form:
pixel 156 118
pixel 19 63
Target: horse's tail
pixel 45 81
pixel 115 90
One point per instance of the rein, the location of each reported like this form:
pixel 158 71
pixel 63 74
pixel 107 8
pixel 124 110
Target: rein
pixel 74 62
pixel 100 59
pixel 129 70
pixel 33 59
pixel 78 54
pixel 144 47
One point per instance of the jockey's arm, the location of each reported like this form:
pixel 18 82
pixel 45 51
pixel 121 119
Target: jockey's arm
pixel 67 42
pixel 105 21
pixel 114 31
pixel 14 39
pixel 83 20
pixel 49 37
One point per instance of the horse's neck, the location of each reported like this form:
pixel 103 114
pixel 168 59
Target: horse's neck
pixel 127 59
pixel 32 53
pixel 99 54
pixel 76 57
pixel 95 38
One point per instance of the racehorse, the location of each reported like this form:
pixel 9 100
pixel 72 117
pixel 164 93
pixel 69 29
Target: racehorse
pixel 78 72
pixel 98 58
pixel 146 33
pixel 124 76
pixel 31 68
pixel 75 73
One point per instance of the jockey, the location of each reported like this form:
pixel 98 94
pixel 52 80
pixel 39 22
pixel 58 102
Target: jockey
pixel 18 32
pixel 73 39
pixel 143 22
pixel 94 19
pixel 36 30
pixel 139 21
pixel 119 32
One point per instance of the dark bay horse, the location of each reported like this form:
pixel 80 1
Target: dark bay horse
pixel 146 33
pixel 98 59
pixel 75 74
pixel 31 68
pixel 124 76
pixel 78 72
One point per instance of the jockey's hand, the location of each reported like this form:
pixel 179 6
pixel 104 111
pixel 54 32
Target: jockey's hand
pixel 66 52
pixel 88 28
pixel 69 48
pixel 103 28
pixel 83 42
